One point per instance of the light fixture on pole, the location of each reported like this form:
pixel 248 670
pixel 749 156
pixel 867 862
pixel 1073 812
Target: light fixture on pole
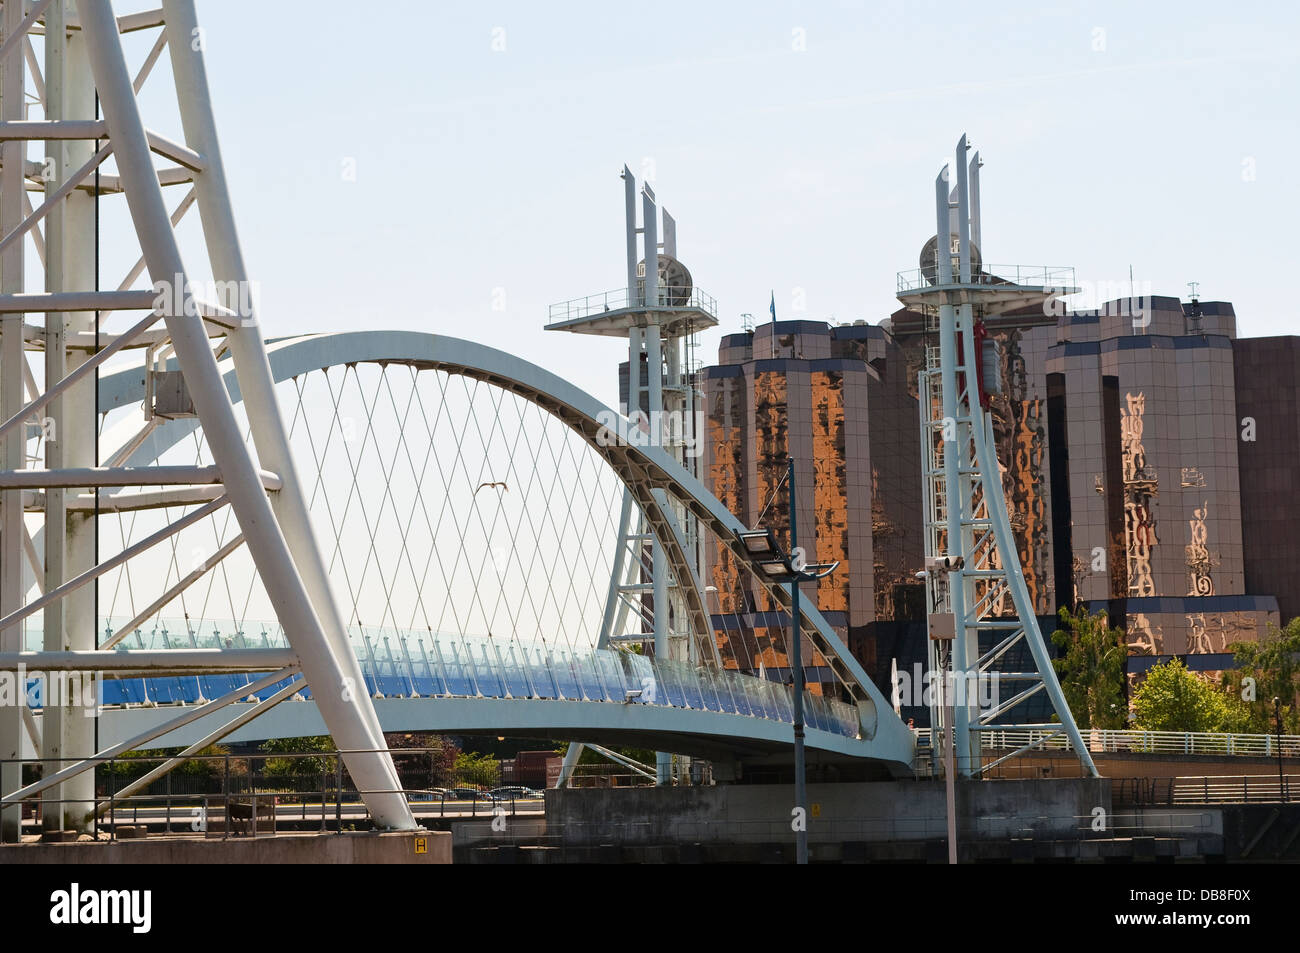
pixel 778 565
pixel 943 630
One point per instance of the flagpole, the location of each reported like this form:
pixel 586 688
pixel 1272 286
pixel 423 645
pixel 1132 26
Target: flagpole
pixel 773 310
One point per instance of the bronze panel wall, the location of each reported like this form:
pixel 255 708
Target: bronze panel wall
pixel 898 547
pixel 1162 497
pixel 1267 377
pixel 830 488
pixel 1195 631
pixel 1019 414
pixel 725 474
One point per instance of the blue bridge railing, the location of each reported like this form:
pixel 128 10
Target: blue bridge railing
pixel 429 665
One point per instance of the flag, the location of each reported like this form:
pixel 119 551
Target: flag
pixel 773 308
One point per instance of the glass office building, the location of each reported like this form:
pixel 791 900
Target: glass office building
pixel 1149 460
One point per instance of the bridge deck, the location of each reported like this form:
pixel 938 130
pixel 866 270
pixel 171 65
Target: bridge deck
pixel 475 686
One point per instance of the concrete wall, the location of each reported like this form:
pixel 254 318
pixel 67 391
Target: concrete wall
pixel 878 811
pixel 359 848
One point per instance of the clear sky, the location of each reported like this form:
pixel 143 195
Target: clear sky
pixel 795 142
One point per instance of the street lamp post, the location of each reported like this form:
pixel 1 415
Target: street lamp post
pixel 796 671
pixel 793 568
pixel 942 627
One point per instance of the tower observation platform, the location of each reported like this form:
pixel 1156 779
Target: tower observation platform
pixel 993 289
pixel 679 310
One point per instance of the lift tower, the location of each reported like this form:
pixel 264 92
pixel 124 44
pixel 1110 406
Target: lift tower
pixel 659 312
pixel 976 592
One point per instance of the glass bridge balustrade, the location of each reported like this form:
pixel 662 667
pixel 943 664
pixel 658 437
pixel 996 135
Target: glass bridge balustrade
pixel 430 665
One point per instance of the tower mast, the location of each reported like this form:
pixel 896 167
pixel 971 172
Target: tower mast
pixel 978 604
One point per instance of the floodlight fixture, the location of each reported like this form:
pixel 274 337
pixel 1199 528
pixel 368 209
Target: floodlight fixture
pixel 759 542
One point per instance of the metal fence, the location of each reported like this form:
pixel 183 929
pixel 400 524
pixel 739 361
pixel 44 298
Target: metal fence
pixel 1221 789
pixel 230 794
pixel 1102 740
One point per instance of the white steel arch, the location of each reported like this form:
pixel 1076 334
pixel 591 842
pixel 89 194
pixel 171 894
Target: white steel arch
pixel 644 469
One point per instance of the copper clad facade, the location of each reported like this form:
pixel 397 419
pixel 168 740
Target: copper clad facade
pixel 1131 477
pixel 763 410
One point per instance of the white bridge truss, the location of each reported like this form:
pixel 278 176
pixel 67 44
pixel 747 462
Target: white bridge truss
pixel 58 60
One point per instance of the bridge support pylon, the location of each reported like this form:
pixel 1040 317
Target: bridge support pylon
pixel 977 599
pixel 82 59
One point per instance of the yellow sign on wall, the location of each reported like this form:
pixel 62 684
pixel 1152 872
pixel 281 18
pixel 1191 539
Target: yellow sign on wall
pixel 422 845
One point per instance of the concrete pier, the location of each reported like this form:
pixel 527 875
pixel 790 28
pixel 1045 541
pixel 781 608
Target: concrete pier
pixel 402 847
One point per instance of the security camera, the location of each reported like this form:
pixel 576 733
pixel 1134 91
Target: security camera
pixel 945 563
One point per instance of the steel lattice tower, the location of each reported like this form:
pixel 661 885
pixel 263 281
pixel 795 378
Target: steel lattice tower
pixel 974 581
pixel 84 61
pixel 659 312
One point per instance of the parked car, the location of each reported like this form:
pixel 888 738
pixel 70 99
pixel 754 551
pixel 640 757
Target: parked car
pixel 516 792
pixel 432 794
pixel 469 794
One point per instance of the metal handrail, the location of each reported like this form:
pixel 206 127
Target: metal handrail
pixel 1060 277
pixel 1139 741
pixel 593 675
pixel 618 299
pixel 206 812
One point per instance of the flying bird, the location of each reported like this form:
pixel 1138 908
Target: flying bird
pixel 500 483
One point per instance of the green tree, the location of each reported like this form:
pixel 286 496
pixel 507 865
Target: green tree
pixel 130 765
pixel 300 767
pixel 479 770
pixel 211 765
pixel 1264 670
pixel 1092 668
pixel 433 766
pixel 1171 698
